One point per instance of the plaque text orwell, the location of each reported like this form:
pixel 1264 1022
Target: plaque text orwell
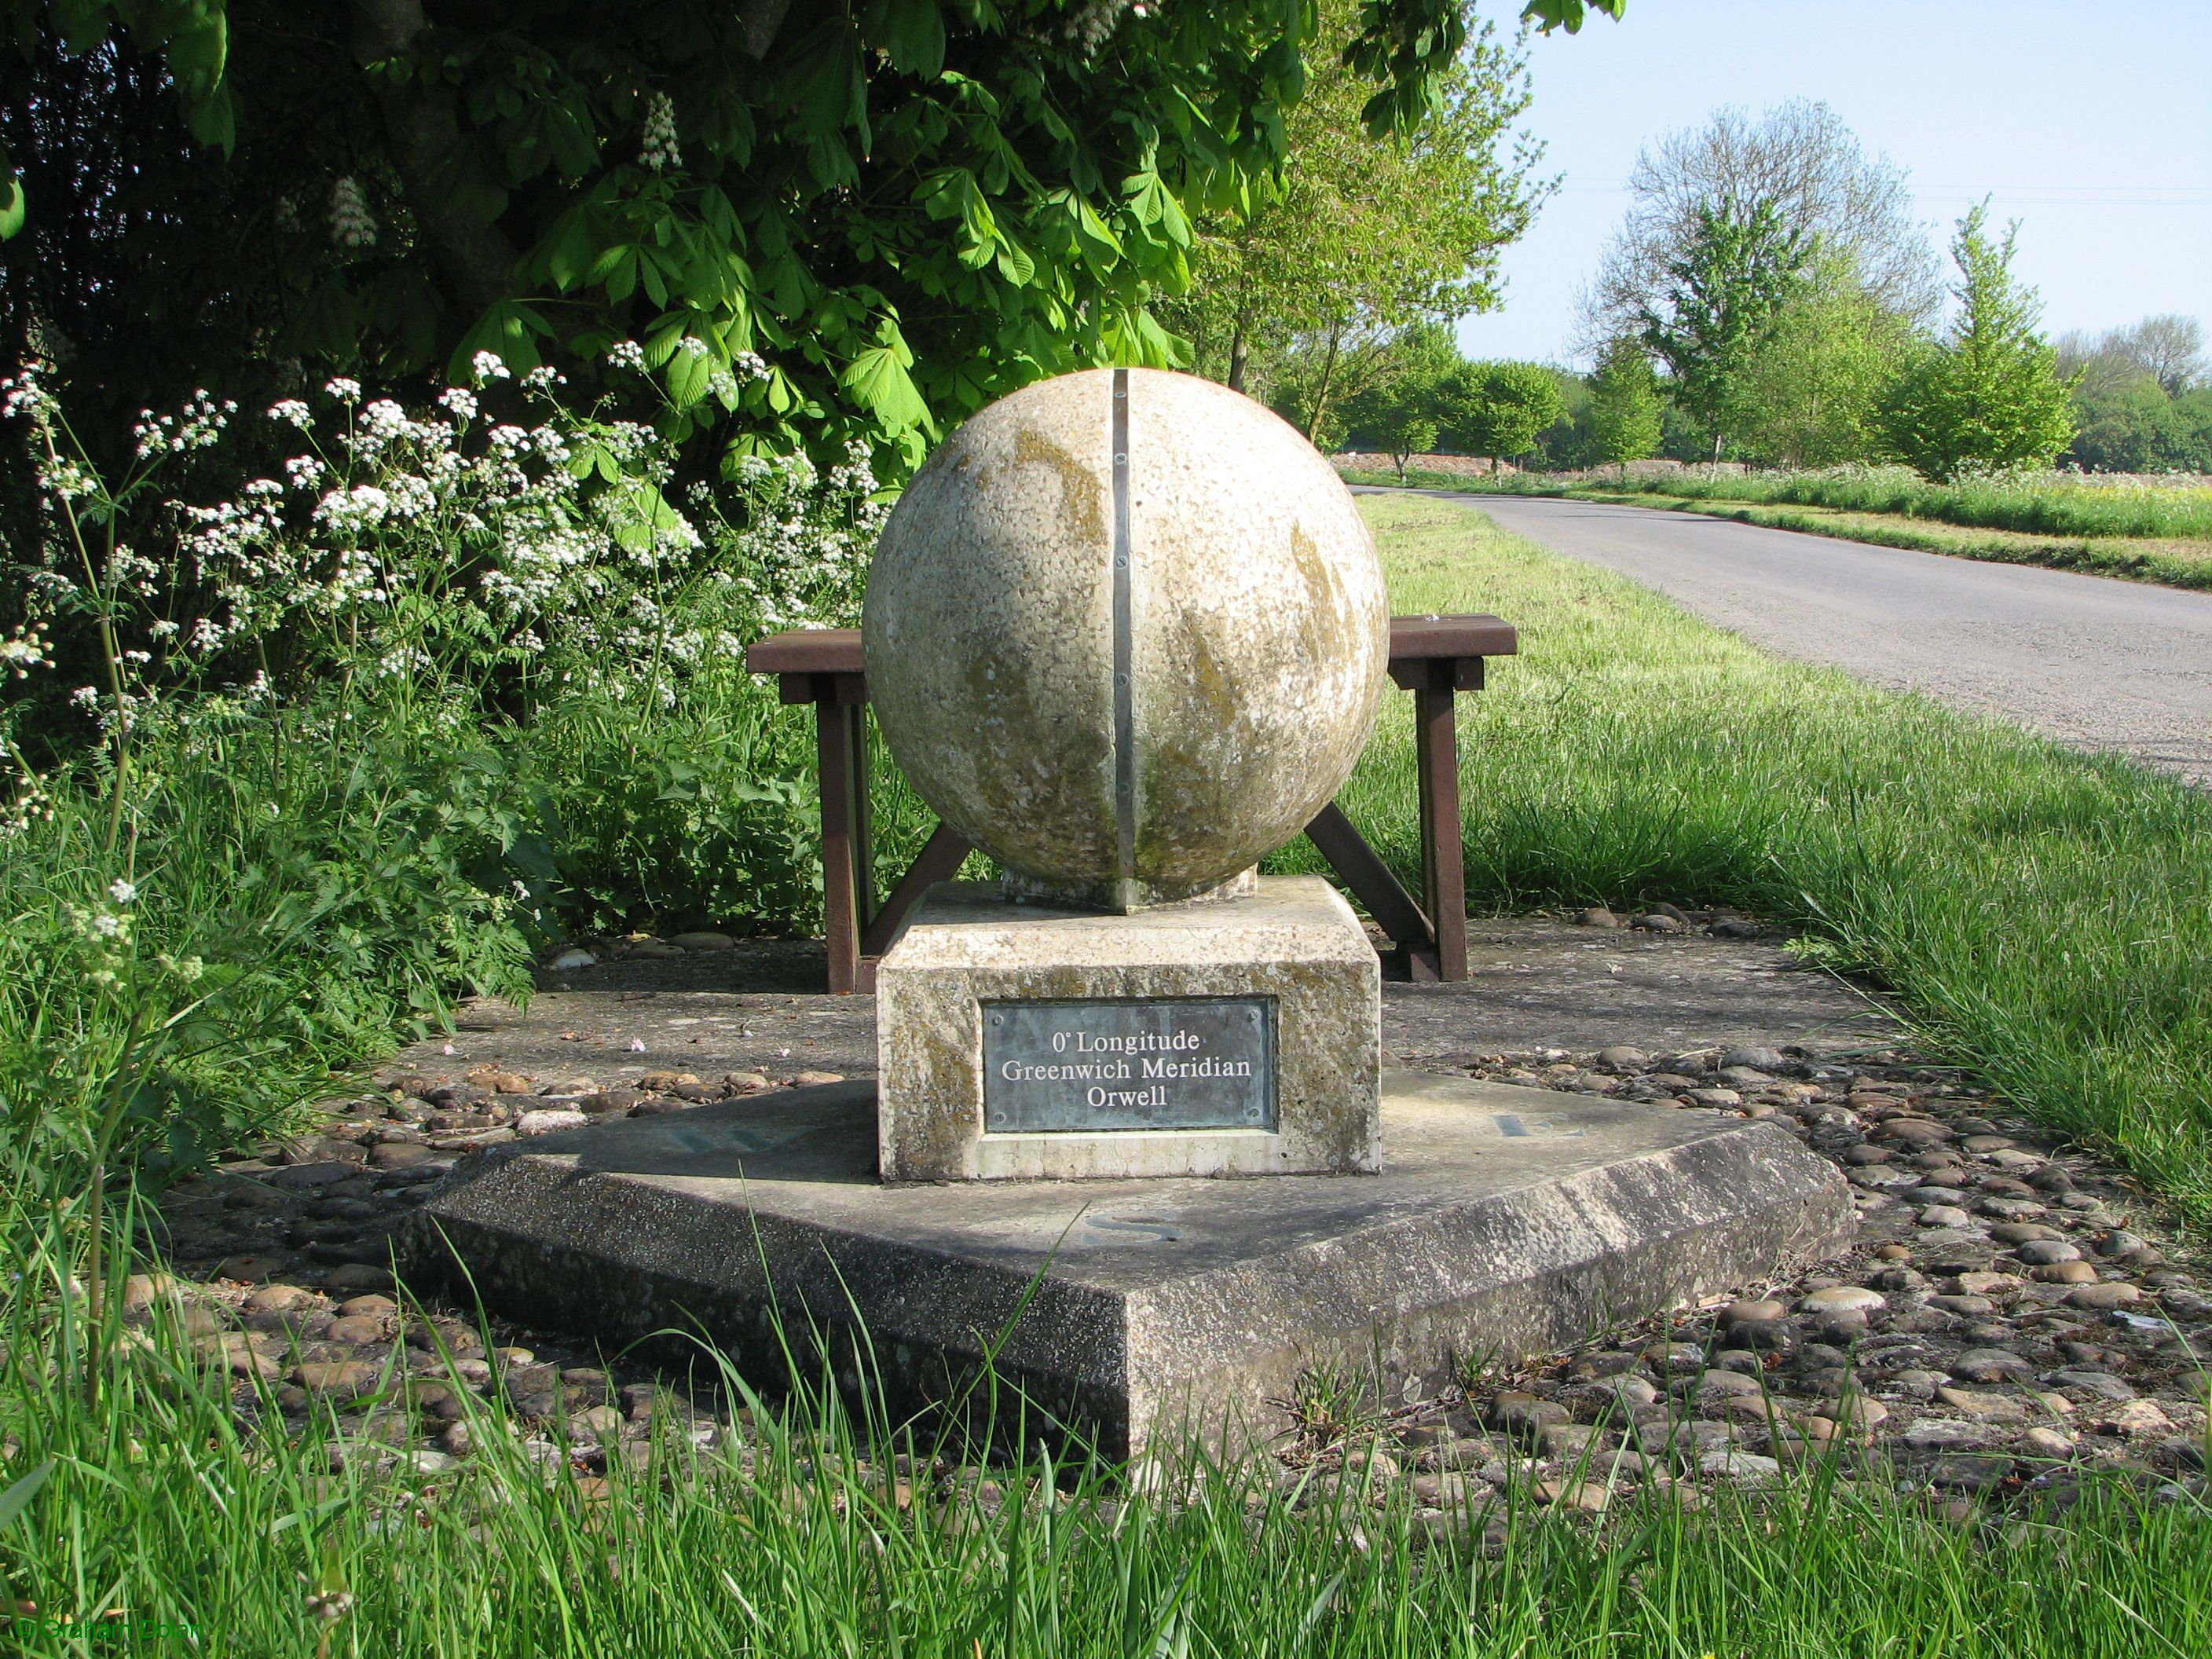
pixel 1114 1064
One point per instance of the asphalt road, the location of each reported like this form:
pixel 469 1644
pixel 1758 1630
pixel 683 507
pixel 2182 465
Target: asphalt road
pixel 2094 662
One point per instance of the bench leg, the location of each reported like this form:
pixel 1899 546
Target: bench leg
pixel 864 826
pixel 1374 886
pixel 840 749
pixel 940 859
pixel 1443 857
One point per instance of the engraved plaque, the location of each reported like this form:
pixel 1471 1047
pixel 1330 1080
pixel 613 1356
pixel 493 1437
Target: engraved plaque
pixel 1129 1063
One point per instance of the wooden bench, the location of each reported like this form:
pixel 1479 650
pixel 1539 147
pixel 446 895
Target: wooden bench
pixel 1434 658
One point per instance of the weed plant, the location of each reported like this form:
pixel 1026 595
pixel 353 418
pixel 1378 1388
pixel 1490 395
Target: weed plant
pixel 2044 916
pixel 362 738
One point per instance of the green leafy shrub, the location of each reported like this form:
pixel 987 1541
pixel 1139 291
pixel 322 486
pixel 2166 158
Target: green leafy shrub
pixel 369 736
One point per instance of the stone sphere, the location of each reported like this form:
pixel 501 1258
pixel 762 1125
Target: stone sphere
pixel 1126 631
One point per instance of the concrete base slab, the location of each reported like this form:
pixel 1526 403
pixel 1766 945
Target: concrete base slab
pixel 1506 1222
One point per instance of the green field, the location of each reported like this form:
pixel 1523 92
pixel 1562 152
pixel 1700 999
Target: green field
pixel 2032 503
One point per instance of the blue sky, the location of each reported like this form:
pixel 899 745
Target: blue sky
pixel 2090 121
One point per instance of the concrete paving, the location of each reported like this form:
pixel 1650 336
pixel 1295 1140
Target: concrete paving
pixel 2094 662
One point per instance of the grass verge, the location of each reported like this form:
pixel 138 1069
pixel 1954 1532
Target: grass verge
pixel 2173 560
pixel 2045 916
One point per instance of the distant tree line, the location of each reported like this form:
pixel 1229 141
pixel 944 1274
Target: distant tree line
pixel 2142 397
pixel 1769 298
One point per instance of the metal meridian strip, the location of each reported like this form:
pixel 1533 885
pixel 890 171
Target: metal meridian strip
pixel 1125 717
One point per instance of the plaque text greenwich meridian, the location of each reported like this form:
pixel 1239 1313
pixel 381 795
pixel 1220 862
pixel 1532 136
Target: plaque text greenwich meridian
pixel 1128 1063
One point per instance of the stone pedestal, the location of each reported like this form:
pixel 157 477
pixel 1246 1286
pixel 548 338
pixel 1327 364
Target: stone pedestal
pixel 1506 1222
pixel 1234 1036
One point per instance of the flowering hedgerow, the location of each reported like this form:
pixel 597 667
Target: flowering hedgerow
pixel 446 684
pixel 441 551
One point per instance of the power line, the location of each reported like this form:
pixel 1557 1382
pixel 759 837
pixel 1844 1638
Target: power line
pixel 2185 197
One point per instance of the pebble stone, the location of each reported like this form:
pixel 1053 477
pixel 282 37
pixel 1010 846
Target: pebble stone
pixel 1973 1339
pixel 1843 1298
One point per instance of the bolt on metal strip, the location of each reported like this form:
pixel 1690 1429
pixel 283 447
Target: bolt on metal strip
pixel 1125 717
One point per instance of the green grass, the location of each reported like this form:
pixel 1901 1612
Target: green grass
pixel 2045 916
pixel 2032 504
pixel 2175 563
pixel 164 1503
pixel 2142 534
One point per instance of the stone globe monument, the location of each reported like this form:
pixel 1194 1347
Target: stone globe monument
pixel 1126 631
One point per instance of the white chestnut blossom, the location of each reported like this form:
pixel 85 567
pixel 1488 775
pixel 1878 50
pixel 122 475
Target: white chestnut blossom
pixel 1091 26
pixel 352 225
pixel 657 147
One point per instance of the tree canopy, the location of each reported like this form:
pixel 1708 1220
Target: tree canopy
pixel 1806 396
pixel 1717 305
pixel 818 224
pixel 1821 185
pixel 1625 406
pixel 1989 395
pixel 1496 409
pixel 2142 397
pixel 1359 237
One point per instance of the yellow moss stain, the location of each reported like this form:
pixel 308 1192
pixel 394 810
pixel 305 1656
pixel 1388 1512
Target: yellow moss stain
pixel 1323 623
pixel 1188 805
pixel 1082 493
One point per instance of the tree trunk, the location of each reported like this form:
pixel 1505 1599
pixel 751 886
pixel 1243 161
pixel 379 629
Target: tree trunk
pixel 761 20
pixel 476 258
pixel 1239 349
pixel 1714 470
pixel 1320 392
